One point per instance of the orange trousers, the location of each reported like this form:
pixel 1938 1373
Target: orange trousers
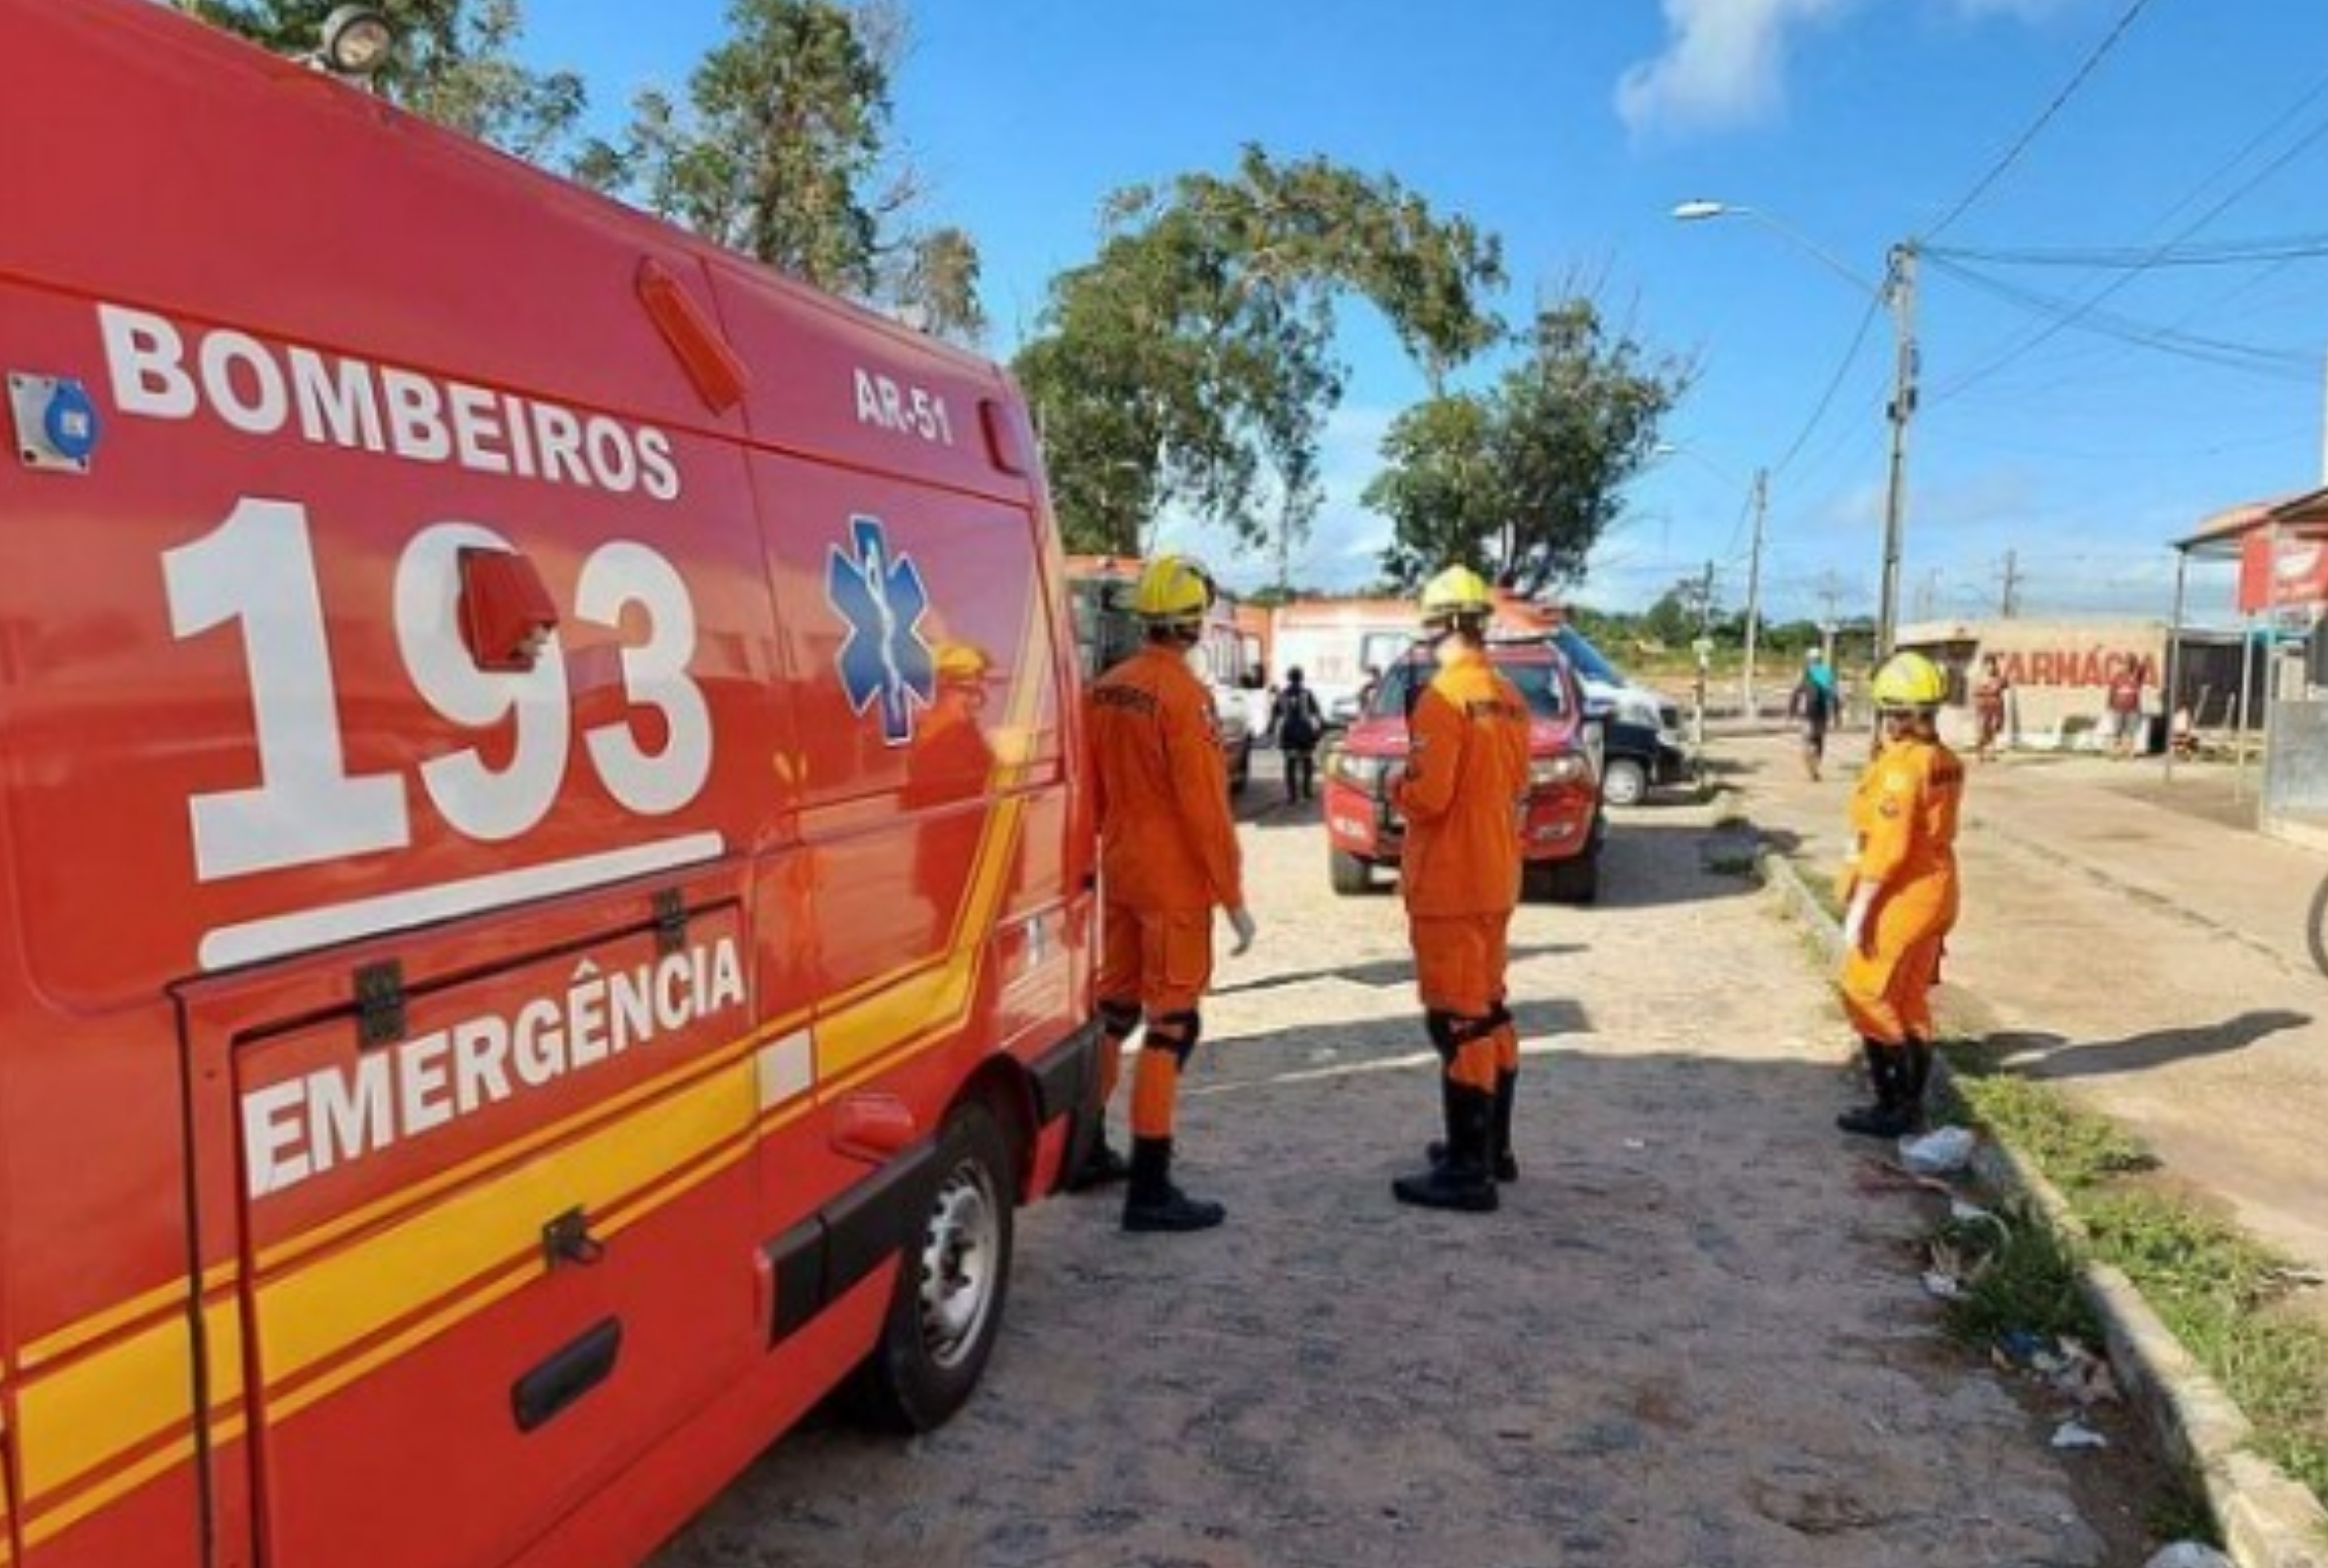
pixel 1887 984
pixel 1460 961
pixel 1158 964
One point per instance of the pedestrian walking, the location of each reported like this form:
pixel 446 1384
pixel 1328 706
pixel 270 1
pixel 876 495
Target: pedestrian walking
pixel 1297 722
pixel 1465 775
pixel 1988 700
pixel 1167 858
pixel 1814 706
pixel 1900 892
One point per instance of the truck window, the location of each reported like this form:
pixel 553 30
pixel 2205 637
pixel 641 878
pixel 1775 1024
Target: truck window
pixel 1538 680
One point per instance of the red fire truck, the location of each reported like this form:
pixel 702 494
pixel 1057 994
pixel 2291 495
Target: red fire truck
pixel 544 914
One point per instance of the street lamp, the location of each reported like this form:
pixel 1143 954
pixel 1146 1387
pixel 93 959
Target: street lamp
pixel 1898 291
pixel 356 42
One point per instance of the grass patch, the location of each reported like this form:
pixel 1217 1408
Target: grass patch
pixel 2028 1282
pixel 2074 1149
pixel 2221 1293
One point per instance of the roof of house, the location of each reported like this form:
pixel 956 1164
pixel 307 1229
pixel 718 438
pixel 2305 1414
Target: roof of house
pixel 2306 507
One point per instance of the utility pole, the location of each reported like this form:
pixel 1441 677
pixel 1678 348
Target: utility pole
pixel 1705 652
pixel 2010 606
pixel 1754 590
pixel 1899 291
pixel 1927 595
pixel 1830 593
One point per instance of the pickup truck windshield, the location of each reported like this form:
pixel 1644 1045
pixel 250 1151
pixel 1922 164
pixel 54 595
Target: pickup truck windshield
pixel 1538 680
pixel 1587 661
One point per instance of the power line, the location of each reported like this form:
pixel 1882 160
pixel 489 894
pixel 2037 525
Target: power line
pixel 2220 253
pixel 2287 363
pixel 2013 154
pixel 1835 383
pixel 2045 333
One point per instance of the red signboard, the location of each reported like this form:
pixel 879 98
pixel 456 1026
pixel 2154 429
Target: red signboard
pixel 2298 577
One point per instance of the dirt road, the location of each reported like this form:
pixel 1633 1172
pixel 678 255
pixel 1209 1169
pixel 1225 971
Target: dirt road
pixel 1690 1337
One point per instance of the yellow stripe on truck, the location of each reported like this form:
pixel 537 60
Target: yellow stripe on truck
pixel 324 1307
pixel 325 1304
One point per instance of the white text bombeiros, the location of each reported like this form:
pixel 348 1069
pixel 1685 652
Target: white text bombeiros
pixel 301 1127
pixel 336 401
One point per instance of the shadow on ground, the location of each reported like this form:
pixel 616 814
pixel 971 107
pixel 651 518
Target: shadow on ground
pixel 2049 1056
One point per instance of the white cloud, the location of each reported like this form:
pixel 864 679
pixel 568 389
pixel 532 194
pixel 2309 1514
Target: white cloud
pixel 1724 62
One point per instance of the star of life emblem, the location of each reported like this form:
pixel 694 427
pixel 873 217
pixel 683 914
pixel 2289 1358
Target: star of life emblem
pixel 884 660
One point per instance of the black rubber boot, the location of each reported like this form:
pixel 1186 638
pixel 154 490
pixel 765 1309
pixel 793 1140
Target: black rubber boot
pixel 1915 1078
pixel 1151 1203
pixel 1889 1117
pixel 1507 1165
pixel 1461 1181
pixel 1102 1165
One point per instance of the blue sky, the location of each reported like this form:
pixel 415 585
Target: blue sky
pixel 1572 128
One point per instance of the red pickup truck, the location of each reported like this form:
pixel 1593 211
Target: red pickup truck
pixel 1561 829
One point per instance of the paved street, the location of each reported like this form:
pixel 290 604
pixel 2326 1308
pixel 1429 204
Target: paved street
pixel 1694 1335
pixel 2150 960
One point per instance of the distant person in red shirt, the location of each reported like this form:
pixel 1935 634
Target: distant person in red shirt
pixel 1989 707
pixel 2125 709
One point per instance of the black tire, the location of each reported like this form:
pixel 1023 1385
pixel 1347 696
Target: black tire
pixel 1349 874
pixel 1570 881
pixel 954 1278
pixel 1624 782
pixel 2315 928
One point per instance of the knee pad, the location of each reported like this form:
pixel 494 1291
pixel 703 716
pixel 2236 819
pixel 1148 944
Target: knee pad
pixel 1177 1033
pixel 1118 1018
pixel 1500 1016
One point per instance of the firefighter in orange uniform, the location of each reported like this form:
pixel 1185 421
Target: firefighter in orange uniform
pixel 1167 858
pixel 1899 893
pixel 1466 777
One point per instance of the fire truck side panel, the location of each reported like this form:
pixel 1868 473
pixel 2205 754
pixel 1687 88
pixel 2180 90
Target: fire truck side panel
pixel 410 1071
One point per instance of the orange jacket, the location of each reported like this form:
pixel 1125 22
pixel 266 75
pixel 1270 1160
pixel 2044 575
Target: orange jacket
pixel 1162 789
pixel 1467 775
pixel 1904 812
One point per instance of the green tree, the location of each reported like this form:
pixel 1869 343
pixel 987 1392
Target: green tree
pixel 781 149
pixel 455 62
pixel 1191 361
pixel 1680 614
pixel 1520 480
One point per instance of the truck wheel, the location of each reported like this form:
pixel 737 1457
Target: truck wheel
pixel 1350 875
pixel 1624 782
pixel 953 1277
pixel 1575 881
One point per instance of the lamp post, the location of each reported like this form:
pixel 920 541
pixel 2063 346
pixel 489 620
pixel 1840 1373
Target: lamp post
pixel 1897 291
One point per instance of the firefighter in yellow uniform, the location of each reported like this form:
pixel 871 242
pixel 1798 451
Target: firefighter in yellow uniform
pixel 1899 893
pixel 1167 858
pixel 1466 778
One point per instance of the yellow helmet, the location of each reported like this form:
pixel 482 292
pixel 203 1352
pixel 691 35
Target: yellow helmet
pixel 1172 588
pixel 1459 592
pixel 1909 680
pixel 961 663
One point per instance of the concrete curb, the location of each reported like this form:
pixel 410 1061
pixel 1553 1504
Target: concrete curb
pixel 2268 1519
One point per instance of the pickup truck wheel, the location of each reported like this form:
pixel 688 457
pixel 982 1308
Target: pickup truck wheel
pixel 1575 881
pixel 953 1274
pixel 1350 875
pixel 1624 782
